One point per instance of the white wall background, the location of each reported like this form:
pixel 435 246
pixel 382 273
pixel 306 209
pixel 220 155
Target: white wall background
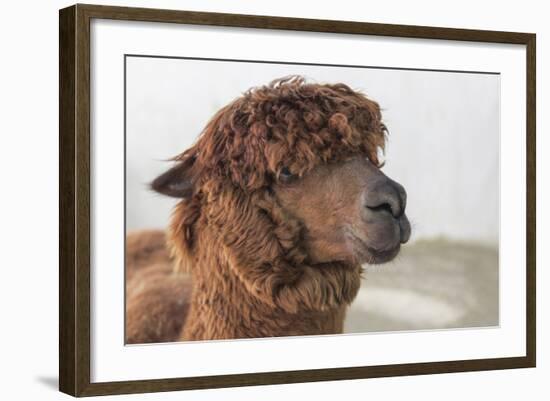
pixel 28 212
pixel 443 144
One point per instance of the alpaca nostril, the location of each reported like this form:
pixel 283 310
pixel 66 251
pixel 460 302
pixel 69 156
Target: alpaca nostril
pixel 382 194
pixel 384 206
pixel 389 198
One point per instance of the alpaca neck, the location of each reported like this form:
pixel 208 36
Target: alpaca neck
pixel 222 308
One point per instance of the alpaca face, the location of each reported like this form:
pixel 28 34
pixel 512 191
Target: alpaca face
pixel 351 211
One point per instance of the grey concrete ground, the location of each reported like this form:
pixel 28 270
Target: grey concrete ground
pixel 433 284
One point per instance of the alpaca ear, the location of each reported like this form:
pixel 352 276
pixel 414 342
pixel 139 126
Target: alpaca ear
pixel 176 182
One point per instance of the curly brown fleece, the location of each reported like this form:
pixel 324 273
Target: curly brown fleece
pixel 251 274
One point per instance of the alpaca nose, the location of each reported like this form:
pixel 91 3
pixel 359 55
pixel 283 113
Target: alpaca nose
pixel 387 195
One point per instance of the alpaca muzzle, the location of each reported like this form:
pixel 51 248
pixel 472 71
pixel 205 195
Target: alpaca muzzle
pixel 386 198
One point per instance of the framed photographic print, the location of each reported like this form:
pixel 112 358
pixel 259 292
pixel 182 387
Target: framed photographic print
pixel 251 200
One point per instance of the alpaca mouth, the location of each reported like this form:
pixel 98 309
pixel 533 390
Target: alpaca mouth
pixel 365 253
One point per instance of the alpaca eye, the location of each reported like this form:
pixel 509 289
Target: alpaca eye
pixel 285 175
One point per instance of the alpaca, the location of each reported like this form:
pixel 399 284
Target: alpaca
pixel 281 201
pixel 157 300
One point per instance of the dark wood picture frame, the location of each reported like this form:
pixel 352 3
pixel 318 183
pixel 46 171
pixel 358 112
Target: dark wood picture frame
pixel 74 199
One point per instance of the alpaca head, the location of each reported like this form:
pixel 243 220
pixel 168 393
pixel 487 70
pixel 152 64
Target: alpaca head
pixel 285 182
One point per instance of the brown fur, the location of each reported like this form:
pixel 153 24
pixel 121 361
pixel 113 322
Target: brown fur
pixel 145 248
pixel 157 298
pixel 246 241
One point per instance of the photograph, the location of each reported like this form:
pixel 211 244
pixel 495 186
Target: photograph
pixel 271 199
